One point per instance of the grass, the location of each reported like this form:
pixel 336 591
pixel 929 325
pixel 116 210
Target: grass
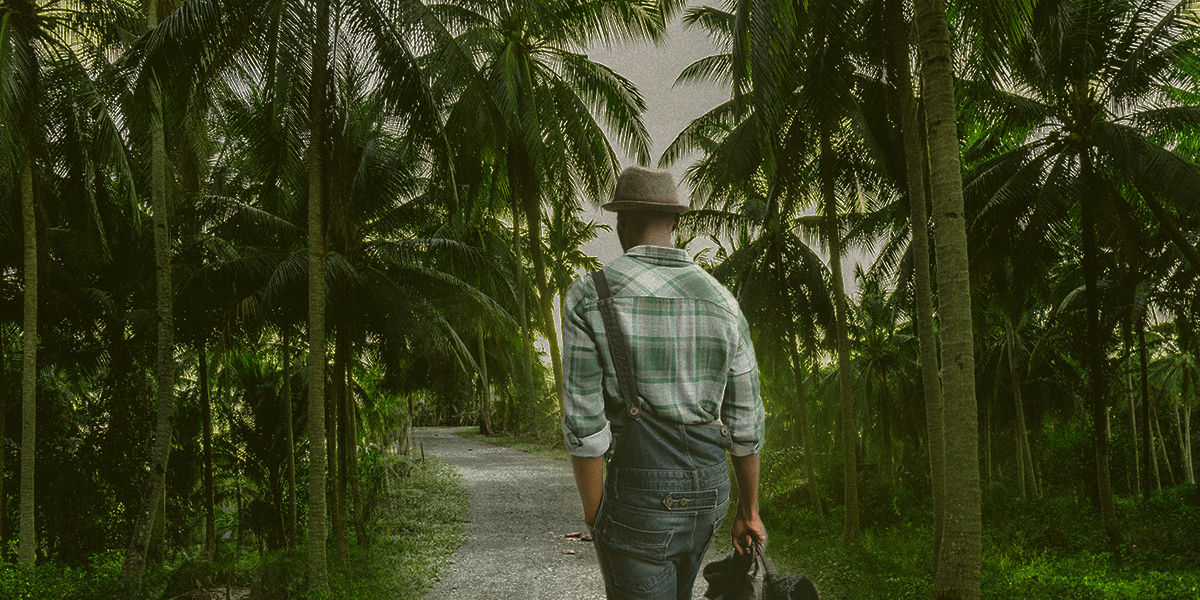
pixel 554 448
pixel 419 527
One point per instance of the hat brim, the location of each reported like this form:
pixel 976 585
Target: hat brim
pixel 620 205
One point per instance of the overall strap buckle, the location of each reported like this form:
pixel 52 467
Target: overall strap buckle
pixel 626 380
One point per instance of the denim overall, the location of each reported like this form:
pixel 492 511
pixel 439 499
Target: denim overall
pixel 665 492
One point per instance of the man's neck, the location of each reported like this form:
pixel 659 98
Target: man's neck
pixel 656 240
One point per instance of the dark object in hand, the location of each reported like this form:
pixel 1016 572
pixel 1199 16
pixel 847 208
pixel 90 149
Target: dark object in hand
pixel 752 576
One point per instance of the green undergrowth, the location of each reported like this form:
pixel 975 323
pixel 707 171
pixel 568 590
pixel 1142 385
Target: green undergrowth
pixel 550 448
pixel 1036 549
pixel 417 529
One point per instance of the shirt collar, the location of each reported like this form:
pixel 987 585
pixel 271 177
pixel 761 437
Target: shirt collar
pixel 660 255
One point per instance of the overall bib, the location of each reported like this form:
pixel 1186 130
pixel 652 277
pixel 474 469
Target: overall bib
pixel 665 492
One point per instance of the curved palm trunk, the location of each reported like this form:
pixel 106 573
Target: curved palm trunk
pixel 545 293
pixel 27 546
pixel 1024 453
pixel 849 431
pixel 915 169
pixel 814 495
pixel 1187 443
pixel 288 422
pixel 210 528
pixel 959 567
pixel 135 556
pixel 317 569
pixel 350 449
pixel 1179 432
pixel 527 372
pixel 1093 353
pixel 1162 444
pixel 485 391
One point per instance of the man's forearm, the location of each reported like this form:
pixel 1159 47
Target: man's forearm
pixel 589 478
pixel 746 470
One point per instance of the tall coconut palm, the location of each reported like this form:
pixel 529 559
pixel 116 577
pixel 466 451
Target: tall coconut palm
pixel 150 95
pixel 958 574
pixel 34 38
pixel 915 176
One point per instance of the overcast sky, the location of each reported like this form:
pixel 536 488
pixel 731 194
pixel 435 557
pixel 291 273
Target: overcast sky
pixel 654 69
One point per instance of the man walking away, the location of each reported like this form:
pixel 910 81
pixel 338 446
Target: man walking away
pixel 660 381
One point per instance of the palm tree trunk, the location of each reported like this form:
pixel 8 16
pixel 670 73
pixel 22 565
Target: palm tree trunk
pixel 135 556
pixel 352 453
pixel 155 551
pixel 849 430
pixel 814 494
pixel 519 265
pixel 317 569
pixel 1025 454
pixel 959 566
pixel 1094 362
pixel 915 173
pixel 26 549
pixel 1162 444
pixel 1187 444
pixel 485 392
pixel 331 441
pixel 288 423
pixel 533 219
pixel 1179 434
pixel 1148 448
pixel 337 430
pixel 1127 336
pixel 3 454
pixel 210 527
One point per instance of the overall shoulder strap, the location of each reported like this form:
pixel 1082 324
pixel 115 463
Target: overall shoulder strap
pixel 617 347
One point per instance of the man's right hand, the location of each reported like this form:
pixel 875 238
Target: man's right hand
pixel 747 527
pixel 746 531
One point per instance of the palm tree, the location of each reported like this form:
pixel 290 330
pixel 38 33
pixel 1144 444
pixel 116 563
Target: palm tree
pixel 793 83
pixel 777 278
pixel 37 37
pixel 882 363
pixel 537 103
pixel 1091 96
pixel 915 176
pixel 317 577
pixel 958 573
pixel 151 93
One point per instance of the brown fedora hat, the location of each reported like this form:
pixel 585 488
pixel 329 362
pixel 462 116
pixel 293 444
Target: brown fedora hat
pixel 640 188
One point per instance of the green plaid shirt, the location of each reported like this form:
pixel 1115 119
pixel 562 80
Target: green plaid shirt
pixel 690 350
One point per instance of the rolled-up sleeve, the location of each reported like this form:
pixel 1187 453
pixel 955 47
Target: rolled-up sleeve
pixel 742 408
pixel 584 423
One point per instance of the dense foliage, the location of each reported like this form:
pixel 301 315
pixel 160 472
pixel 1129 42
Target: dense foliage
pixel 166 167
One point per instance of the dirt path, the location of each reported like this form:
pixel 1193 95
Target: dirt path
pixel 521 507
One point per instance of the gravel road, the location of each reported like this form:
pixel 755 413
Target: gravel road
pixel 521 507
